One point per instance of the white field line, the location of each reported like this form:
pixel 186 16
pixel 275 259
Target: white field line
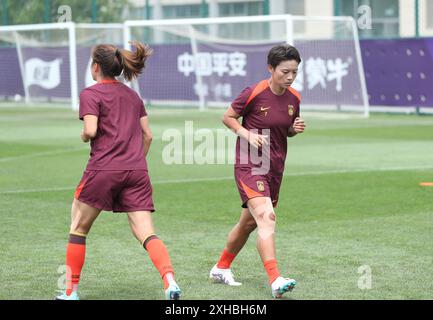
pixel 42 154
pixel 295 174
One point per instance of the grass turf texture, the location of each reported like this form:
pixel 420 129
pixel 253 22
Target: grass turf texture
pixel 351 197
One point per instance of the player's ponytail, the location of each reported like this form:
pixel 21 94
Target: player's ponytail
pixel 113 60
pixel 133 63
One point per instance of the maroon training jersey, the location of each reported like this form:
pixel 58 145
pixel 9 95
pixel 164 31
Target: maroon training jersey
pixel 118 144
pixel 262 109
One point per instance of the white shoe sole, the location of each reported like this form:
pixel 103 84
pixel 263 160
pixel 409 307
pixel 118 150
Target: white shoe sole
pixel 217 278
pixel 287 288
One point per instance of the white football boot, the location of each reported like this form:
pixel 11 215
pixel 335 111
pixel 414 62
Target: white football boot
pixel 282 285
pixel 224 276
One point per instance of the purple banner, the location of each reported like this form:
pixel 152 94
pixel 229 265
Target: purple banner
pixel 11 84
pixel 327 75
pixel 46 71
pixel 398 72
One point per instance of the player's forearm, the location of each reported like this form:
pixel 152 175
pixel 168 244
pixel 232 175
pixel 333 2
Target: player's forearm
pixel 147 140
pixel 235 126
pixel 90 127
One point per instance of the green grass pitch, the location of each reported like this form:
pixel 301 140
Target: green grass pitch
pixel 351 197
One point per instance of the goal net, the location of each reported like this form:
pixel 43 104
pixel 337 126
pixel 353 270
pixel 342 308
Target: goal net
pixel 49 64
pixel 36 63
pixel 206 62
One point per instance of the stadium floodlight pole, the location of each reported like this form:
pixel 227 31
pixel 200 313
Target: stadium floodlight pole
pixel 199 82
pixel 360 69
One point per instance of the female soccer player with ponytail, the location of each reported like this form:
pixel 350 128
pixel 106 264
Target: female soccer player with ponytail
pixel 116 178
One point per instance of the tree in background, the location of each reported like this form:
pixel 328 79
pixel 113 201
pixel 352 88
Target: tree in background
pixel 46 11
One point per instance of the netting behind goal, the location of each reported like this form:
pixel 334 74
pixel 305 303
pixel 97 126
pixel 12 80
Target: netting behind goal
pixel 35 64
pixel 87 36
pixel 49 64
pixel 207 62
pixel 331 74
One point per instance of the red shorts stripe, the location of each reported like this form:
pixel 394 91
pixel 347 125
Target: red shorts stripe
pixel 250 192
pixel 79 189
pixel 253 186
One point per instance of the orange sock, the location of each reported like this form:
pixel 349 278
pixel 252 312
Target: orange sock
pixel 225 260
pixel 158 253
pixel 271 269
pixel 75 253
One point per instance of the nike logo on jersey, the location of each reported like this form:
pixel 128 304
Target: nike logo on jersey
pixel 264 109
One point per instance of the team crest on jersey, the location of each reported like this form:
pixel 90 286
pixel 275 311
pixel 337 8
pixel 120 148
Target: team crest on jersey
pixel 291 110
pixel 260 186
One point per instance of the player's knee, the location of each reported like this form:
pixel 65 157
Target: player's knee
pixel 265 219
pixel 267 223
pixel 260 214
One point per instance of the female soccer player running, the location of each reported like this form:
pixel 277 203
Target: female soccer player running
pixel 116 178
pixel 270 114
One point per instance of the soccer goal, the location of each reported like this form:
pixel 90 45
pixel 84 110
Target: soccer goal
pixel 38 63
pixel 206 62
pixel 49 64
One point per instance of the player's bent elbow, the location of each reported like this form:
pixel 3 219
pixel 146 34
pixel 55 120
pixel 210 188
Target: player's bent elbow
pixel 225 119
pixel 90 133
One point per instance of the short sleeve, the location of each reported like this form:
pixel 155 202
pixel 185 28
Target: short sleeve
pixel 143 112
pixel 89 104
pixel 298 101
pixel 239 105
